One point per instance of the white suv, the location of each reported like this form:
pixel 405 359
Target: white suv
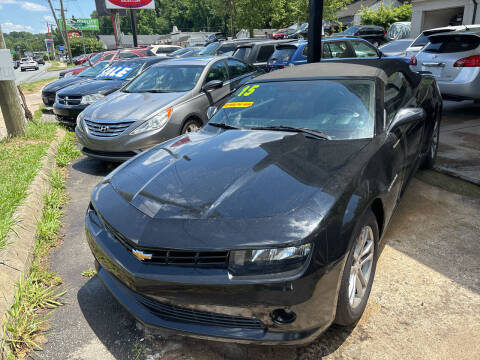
pixel 27 64
pixel 422 39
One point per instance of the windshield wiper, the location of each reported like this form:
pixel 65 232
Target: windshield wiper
pixel 222 125
pixel 316 133
pixel 155 91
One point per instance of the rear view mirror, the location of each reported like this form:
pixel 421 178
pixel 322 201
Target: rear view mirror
pixel 406 116
pixel 213 84
pixel 212 110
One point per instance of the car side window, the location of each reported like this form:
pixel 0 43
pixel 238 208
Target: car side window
pixel 218 71
pixel 362 49
pixel 265 52
pixel 338 49
pixel 237 68
pixel 397 93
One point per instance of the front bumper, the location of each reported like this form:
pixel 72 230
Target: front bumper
pixel 123 146
pixel 159 296
pixel 67 113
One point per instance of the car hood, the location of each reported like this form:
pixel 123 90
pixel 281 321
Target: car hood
pixel 64 82
pixel 92 87
pixel 132 106
pixel 236 174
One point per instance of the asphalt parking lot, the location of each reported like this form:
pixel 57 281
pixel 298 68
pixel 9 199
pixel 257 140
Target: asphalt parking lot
pixel 424 303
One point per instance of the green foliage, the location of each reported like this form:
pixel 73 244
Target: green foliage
pixel 67 150
pixel 22 41
pixel 91 45
pixel 386 16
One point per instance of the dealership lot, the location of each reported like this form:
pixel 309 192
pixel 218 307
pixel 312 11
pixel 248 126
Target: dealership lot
pixel 424 302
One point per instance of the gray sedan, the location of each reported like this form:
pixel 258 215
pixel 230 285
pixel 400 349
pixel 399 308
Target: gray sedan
pixel 167 100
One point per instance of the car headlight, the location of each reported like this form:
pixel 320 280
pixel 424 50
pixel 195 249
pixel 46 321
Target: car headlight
pixel 90 99
pixel 80 118
pixel 268 261
pixel 156 122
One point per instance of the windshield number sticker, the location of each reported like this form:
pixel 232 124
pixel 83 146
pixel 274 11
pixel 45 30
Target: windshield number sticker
pixel 248 90
pixel 118 72
pixel 238 105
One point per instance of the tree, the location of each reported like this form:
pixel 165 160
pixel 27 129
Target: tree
pixel 91 45
pixel 386 16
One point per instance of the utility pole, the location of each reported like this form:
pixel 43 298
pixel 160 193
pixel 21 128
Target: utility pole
pixel 56 21
pixel 315 26
pixel 67 41
pixel 133 20
pixel 231 19
pixel 10 103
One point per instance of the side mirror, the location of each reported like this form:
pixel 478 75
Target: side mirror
pixel 213 84
pixel 212 110
pixel 406 116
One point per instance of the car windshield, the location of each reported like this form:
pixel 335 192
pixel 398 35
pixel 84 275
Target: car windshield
pixel 122 70
pixel 283 53
pixel 341 109
pixel 210 49
pixel 95 57
pixel 94 70
pixel 190 53
pixel 179 52
pixel 452 43
pixel 396 46
pixel 351 30
pixel 170 78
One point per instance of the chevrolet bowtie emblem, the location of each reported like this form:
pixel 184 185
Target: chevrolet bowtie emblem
pixel 141 255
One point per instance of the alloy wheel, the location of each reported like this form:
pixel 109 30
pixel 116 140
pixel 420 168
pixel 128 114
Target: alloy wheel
pixel 192 127
pixel 361 268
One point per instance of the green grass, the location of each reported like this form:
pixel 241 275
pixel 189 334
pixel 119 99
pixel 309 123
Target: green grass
pixel 89 273
pixel 20 160
pixel 57 65
pixel 38 292
pixel 34 86
pixel 67 150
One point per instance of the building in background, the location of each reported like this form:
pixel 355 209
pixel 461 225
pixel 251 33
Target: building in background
pixel 429 14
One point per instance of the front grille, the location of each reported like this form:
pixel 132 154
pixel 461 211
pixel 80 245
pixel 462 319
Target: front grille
pixel 69 100
pixel 179 314
pixel 107 128
pixel 216 259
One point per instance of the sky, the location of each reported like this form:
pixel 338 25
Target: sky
pixel 32 15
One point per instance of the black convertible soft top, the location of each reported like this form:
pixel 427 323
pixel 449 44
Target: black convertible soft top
pixel 378 68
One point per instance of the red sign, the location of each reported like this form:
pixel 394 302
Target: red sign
pixel 72 34
pixel 130 4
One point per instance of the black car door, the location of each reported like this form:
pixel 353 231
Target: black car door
pixel 398 95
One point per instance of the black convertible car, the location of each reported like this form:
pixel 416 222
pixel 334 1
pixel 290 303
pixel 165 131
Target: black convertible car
pixel 266 225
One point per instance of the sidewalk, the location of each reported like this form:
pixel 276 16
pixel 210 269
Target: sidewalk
pixel 459 149
pixel 34 101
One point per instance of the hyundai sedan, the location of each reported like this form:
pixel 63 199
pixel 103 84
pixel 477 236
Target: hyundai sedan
pixel 168 99
pixel 266 225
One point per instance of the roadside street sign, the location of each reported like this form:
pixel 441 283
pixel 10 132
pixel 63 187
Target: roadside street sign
pixel 6 65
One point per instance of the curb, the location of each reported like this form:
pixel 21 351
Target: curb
pixel 446 171
pixel 15 258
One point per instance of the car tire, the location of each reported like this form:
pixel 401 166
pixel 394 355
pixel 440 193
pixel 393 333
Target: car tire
pixel 351 302
pixel 191 125
pixel 429 158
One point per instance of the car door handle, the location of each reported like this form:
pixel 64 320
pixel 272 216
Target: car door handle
pixel 434 64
